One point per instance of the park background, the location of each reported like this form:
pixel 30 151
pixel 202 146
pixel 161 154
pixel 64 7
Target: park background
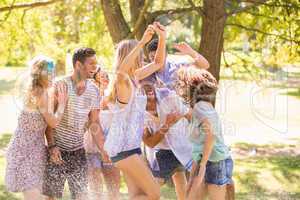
pixel 253 47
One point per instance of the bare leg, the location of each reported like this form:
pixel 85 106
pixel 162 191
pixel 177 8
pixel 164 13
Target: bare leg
pixel 95 183
pixel 180 182
pixel 112 179
pixel 230 190
pixel 140 182
pixel 33 194
pixel 216 192
pixel 198 191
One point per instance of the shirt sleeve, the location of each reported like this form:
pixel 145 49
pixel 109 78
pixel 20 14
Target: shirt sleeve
pixel 202 111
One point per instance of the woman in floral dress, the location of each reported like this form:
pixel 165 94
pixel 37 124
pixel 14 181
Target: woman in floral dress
pixel 26 154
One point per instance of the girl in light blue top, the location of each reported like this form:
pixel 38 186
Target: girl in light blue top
pixel 212 168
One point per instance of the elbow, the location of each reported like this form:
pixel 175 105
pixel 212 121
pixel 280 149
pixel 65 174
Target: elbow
pixel 138 76
pixel 206 65
pixel 159 63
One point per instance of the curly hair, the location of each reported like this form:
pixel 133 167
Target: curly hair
pixel 196 85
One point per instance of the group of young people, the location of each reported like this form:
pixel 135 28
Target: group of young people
pixel 156 121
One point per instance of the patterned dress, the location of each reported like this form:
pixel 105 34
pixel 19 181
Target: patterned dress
pixel 26 153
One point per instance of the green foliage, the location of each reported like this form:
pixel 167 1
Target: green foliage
pixel 272 30
pixel 53 30
pixel 63 26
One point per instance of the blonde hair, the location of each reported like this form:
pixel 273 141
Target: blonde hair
pixel 123 49
pixel 38 72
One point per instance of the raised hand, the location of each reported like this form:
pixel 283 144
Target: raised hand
pixel 148 34
pixel 159 29
pixel 183 48
pixel 62 93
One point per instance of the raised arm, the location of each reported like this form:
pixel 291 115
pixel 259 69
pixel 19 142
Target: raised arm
pixel 186 49
pixel 129 60
pixel 47 102
pixel 160 55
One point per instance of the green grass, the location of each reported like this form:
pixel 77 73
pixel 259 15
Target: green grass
pixel 257 177
pixel 294 93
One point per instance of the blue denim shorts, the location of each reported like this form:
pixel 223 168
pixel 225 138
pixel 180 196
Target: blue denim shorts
pixel 219 173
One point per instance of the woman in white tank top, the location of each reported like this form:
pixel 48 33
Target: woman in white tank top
pixel 125 136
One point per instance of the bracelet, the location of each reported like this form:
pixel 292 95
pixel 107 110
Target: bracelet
pixel 51 146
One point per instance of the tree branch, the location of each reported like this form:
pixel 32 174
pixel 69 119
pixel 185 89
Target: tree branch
pixel 27 5
pixel 155 14
pixel 278 4
pixel 198 9
pixel 140 18
pixel 261 15
pixel 263 32
pixel 9 12
pixel 255 3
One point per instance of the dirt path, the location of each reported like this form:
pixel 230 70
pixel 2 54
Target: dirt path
pixel 250 113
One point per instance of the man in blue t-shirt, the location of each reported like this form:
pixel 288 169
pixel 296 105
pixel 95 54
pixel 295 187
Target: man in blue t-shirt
pixel 167 75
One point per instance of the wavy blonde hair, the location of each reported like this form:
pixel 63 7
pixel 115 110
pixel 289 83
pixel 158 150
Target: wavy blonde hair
pixel 38 73
pixel 123 49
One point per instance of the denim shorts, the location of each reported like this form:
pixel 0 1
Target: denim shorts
pixel 168 164
pixel 125 154
pixel 219 173
pixel 94 160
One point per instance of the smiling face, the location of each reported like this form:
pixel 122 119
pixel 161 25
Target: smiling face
pixel 150 92
pixel 88 67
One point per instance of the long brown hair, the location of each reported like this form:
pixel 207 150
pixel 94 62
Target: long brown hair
pixel 123 49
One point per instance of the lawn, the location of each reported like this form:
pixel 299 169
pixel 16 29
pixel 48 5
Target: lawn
pixel 261 172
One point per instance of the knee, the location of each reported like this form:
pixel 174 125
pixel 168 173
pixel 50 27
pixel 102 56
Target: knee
pixel 154 194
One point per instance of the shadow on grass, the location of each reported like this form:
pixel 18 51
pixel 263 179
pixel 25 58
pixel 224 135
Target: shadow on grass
pixel 255 175
pixel 5 195
pixel 268 196
pixel 292 92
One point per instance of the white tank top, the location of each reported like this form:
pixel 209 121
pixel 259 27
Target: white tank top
pixel 127 124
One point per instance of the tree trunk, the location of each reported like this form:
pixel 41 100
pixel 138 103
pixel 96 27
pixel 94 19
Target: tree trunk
pixel 213 24
pixel 135 8
pixel 115 21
